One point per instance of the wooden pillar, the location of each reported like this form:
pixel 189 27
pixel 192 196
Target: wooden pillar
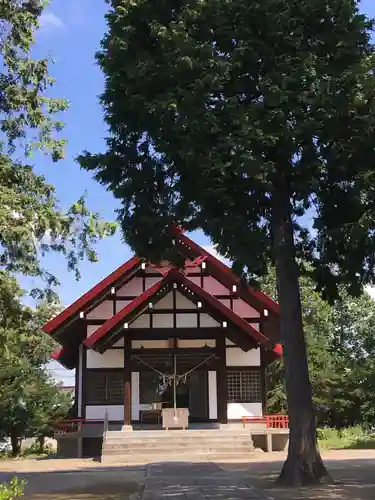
pixel 221 380
pixel 127 383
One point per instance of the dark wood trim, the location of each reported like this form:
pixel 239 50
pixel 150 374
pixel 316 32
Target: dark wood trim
pixel 105 403
pixel 166 333
pixel 123 297
pixel 177 350
pixel 221 381
pixel 110 370
pixel 178 311
pixel 127 382
pixel 174 305
pixel 253 320
pixel 84 379
pixel 94 322
pixel 243 368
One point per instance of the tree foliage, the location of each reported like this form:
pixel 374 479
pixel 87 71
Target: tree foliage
pixel 238 118
pixel 340 341
pixel 30 400
pixel 31 219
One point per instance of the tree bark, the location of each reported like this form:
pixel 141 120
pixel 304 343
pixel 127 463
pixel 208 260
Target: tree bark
pixel 41 443
pixel 304 464
pixel 16 444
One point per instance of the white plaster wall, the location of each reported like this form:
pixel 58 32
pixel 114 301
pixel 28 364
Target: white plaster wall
pixel 195 279
pixel 133 287
pixel 113 358
pixel 115 412
pixel 152 281
pixel 162 320
pixel 91 329
pixel 196 343
pixel 238 410
pixel 207 321
pixel 102 311
pixel 119 343
pixel 184 303
pixel 165 303
pixel 229 342
pixel 150 344
pixel 136 406
pixel 187 320
pixel 141 322
pixel 120 304
pixel 243 309
pixel 215 287
pixel 212 396
pixel 237 357
pixel 225 302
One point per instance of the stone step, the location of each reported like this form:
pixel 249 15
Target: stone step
pixel 177 444
pixel 196 450
pixel 187 457
pixel 178 439
pixel 175 434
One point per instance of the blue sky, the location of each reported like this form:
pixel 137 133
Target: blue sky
pixel 70 32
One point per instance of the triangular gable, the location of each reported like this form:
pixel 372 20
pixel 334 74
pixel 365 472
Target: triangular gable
pixel 95 294
pixel 133 310
pixel 223 273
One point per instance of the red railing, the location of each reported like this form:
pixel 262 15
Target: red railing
pixel 271 421
pixel 74 424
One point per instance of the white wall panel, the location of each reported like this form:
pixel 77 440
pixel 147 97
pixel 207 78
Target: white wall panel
pixel 119 343
pixel 162 320
pixel 237 357
pixel 225 302
pixel 113 358
pixel 183 302
pixel 142 322
pixel 102 311
pixel 238 410
pixel 214 287
pixel 115 412
pixel 187 320
pixel 195 279
pixel 212 395
pixel 208 321
pixel 91 329
pixel 243 309
pixel 120 304
pixel 152 281
pixel 229 342
pixel 133 287
pixel 165 303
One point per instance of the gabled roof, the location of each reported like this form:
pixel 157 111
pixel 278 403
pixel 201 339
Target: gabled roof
pixel 226 275
pixel 96 292
pixel 115 323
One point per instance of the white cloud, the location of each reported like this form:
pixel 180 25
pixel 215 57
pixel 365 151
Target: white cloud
pixel 50 20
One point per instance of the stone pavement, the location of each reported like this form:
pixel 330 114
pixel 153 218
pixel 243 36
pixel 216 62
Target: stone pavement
pixel 203 481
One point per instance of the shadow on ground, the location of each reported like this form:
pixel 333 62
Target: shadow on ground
pixel 353 479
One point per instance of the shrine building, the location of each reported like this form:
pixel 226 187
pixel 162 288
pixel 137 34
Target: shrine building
pixel 193 343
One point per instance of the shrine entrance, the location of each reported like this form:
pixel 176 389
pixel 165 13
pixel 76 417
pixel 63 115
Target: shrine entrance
pixel 176 380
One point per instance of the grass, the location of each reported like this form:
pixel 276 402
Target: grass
pixel 350 438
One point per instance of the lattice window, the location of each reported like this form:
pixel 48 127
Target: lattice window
pixel 104 387
pixel 244 386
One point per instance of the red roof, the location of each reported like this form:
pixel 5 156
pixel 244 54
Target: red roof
pixel 177 276
pixel 83 301
pixel 226 271
pixel 64 356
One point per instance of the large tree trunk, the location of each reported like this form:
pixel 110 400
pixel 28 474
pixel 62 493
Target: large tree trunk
pixel 16 444
pixel 304 464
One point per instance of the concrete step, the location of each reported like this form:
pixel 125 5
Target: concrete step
pixel 177 444
pixel 183 457
pixel 195 451
pixel 178 439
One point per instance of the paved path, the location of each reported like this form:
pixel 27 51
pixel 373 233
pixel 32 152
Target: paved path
pixel 352 470
pixel 201 481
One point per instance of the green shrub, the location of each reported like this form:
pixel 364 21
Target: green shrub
pixel 350 437
pixel 13 490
